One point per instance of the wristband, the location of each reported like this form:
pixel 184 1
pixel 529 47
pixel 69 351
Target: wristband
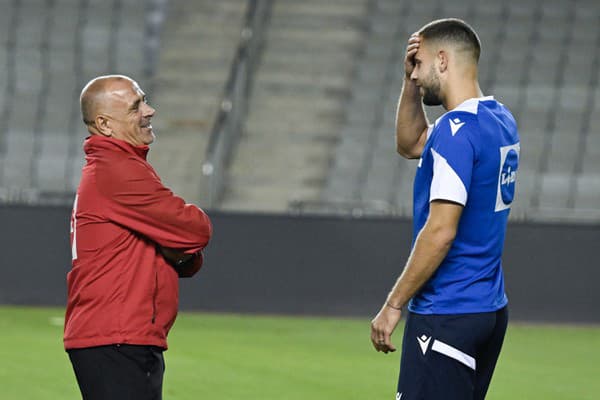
pixel 387 303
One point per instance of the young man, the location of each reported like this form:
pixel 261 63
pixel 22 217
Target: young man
pixel 464 186
pixel 131 239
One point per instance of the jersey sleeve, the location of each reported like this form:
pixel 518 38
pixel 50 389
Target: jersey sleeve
pixel 453 158
pixel 138 200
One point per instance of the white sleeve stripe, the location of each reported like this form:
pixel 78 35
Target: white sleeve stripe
pixel 446 184
pixel 454 353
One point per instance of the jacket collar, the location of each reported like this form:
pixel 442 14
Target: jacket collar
pixel 95 143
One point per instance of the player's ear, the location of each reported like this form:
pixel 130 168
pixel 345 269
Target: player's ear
pixel 442 61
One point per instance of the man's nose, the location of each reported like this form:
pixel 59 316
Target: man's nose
pixel 413 75
pixel 149 111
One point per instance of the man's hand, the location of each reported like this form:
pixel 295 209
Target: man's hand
pixel 174 256
pixel 186 265
pixel 383 326
pixel 409 60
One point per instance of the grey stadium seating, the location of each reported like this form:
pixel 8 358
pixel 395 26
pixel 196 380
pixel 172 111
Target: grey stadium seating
pixel 540 58
pixel 319 134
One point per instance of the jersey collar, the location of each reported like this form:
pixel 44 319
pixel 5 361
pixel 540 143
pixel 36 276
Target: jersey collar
pixel 470 105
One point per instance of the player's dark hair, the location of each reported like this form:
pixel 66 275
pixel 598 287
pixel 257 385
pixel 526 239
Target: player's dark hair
pixel 455 31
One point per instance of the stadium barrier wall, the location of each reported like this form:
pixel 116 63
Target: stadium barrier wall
pixel 313 265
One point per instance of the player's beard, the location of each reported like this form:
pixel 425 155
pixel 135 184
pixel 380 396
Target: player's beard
pixel 431 89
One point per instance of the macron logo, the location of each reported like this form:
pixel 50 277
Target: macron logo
pixel 424 343
pixel 455 125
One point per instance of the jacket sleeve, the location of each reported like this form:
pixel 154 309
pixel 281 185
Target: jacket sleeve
pixel 137 199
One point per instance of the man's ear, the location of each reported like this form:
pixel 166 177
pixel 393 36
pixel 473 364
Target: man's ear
pixel 103 125
pixel 442 58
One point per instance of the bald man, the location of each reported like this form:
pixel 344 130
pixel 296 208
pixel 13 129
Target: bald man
pixel 131 239
pixel 464 186
pixel 115 106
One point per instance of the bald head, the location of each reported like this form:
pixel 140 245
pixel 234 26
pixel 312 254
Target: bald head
pixel 96 95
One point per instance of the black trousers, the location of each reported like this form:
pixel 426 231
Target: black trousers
pixel 119 372
pixel 450 357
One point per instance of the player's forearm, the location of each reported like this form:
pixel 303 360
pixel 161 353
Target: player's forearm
pixel 410 120
pixel 431 246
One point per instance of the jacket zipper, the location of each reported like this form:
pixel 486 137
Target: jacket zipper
pixel 154 297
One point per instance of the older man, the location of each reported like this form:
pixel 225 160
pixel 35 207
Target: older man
pixel 131 239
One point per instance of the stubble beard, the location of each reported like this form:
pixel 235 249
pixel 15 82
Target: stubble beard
pixel 431 97
pixel 431 90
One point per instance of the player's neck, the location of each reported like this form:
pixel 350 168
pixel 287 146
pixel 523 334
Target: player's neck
pixel 461 91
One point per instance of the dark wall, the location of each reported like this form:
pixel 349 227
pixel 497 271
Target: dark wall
pixel 313 265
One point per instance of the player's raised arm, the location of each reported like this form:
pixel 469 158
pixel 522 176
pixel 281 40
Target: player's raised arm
pixel 411 123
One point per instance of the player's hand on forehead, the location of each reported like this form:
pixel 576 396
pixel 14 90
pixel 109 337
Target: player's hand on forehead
pixel 411 49
pixel 414 42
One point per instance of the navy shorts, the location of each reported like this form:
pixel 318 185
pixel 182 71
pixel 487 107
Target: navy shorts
pixel 450 357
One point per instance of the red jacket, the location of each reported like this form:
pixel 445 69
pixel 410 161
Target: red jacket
pixel 121 289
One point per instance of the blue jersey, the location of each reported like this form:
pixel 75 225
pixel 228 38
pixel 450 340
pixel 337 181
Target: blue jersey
pixel 471 157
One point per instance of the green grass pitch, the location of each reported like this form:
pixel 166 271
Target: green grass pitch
pixel 222 357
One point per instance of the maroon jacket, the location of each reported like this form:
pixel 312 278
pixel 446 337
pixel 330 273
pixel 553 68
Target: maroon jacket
pixel 121 289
